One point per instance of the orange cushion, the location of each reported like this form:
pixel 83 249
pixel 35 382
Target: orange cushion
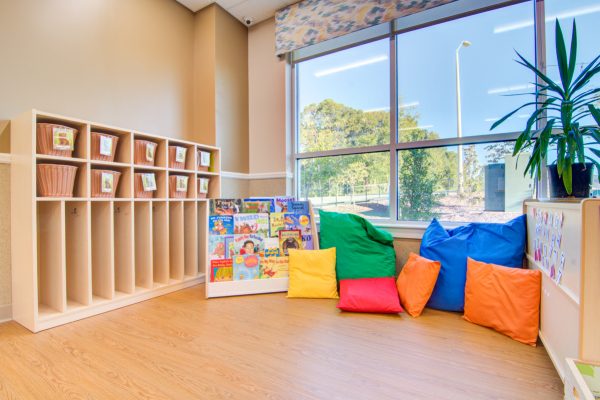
pixel 504 299
pixel 415 283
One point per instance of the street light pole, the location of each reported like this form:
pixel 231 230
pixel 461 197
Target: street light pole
pixel 464 43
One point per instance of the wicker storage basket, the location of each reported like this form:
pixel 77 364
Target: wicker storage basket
pixel 140 193
pixel 173 152
pixel 145 152
pixel 104 146
pixel 52 139
pixel 202 194
pixel 204 156
pixel 105 182
pixel 177 192
pixel 55 180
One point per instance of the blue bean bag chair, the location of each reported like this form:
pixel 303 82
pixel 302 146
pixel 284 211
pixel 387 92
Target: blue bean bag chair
pixel 502 244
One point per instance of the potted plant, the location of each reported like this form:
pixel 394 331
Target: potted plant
pixel 562 105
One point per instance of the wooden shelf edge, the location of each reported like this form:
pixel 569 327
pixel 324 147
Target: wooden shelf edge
pixel 566 291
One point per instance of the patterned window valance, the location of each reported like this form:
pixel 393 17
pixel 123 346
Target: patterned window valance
pixel 313 21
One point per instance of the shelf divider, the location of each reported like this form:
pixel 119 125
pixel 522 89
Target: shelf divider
pixel 103 281
pixel 78 252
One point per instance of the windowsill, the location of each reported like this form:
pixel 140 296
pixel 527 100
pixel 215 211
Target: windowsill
pixel 408 230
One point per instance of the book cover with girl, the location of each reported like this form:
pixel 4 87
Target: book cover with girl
pixel 248 244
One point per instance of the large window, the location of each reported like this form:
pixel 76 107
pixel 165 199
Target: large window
pixel 399 128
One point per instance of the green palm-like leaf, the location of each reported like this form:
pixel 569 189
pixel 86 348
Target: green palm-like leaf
pixel 595 113
pixel 561 57
pixel 551 84
pixel 573 55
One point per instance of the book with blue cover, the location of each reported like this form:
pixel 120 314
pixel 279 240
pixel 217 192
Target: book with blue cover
pixel 220 225
pixel 299 207
pixel 246 267
pixel 218 246
pixel 298 221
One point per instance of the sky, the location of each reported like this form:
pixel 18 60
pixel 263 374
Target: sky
pixel 359 77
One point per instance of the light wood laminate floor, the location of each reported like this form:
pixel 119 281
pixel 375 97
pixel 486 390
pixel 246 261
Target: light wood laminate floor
pixel 181 346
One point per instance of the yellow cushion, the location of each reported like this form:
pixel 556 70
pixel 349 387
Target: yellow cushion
pixel 312 274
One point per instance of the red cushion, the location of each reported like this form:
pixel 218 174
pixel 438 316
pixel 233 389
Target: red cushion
pixel 374 295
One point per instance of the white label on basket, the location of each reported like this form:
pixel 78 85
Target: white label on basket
pixel 180 153
pixel 203 186
pixel 62 138
pixel 106 144
pixel 204 159
pixel 181 183
pixel 107 182
pixel 150 149
pixel 148 182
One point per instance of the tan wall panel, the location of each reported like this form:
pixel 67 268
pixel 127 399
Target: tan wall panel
pixel 125 63
pixel 403 247
pixel 267 187
pixel 234 188
pixel 5 235
pixel 267 101
pixel 231 91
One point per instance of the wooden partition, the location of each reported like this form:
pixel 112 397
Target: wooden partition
pixel 79 256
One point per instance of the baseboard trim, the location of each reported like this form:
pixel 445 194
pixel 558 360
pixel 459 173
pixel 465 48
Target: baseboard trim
pixel 256 176
pixel 5 313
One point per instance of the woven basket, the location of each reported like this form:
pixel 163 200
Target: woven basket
pixel 55 180
pixel 173 192
pixel 201 195
pixel 172 162
pixel 97 182
pixel 140 152
pixel 44 144
pixel 140 193
pixel 96 136
pixel 200 167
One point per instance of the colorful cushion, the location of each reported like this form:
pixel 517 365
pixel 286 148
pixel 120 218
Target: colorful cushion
pixel 363 251
pixel 504 299
pixel 502 244
pixel 415 283
pixel 312 274
pixel 373 295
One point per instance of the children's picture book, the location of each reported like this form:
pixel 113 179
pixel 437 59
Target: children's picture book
pixel 298 221
pixel 218 246
pixel 271 247
pixel 289 239
pixel 225 206
pixel 282 203
pixel 257 206
pixel 246 267
pixel 277 223
pixel 274 267
pixel 299 207
pixel 252 243
pixel 251 223
pixel 229 246
pixel 271 200
pixel 307 242
pixel 220 224
pixel 221 270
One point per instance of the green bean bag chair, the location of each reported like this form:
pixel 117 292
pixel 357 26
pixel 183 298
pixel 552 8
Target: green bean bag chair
pixel 363 251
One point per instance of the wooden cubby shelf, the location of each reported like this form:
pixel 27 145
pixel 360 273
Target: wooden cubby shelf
pixel 80 256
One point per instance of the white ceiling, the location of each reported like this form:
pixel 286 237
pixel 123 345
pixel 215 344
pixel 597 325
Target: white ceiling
pixel 258 10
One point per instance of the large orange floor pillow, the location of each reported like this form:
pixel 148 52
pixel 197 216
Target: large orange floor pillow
pixel 363 251
pixel 504 299
pixel 502 244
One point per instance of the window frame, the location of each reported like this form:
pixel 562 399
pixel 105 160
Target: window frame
pixel 434 16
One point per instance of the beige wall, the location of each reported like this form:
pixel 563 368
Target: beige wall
pixel 267 102
pixel 4 234
pixel 125 63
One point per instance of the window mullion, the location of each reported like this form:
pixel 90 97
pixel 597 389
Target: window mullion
pixel 393 189
pixel 540 59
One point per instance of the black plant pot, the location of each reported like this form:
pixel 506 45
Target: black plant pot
pixel 582 181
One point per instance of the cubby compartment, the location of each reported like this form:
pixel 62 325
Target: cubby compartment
pixel 181 156
pixel 100 187
pixel 100 139
pixel 160 242
pixel 190 236
pixel 78 255
pixel 143 244
pixel 102 250
pixel 53 179
pixel 44 137
pixel 182 186
pixel 207 155
pixel 124 247
pixel 202 237
pixel 214 186
pixel 140 155
pixel 160 180
pixel 176 240
pixel 50 257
